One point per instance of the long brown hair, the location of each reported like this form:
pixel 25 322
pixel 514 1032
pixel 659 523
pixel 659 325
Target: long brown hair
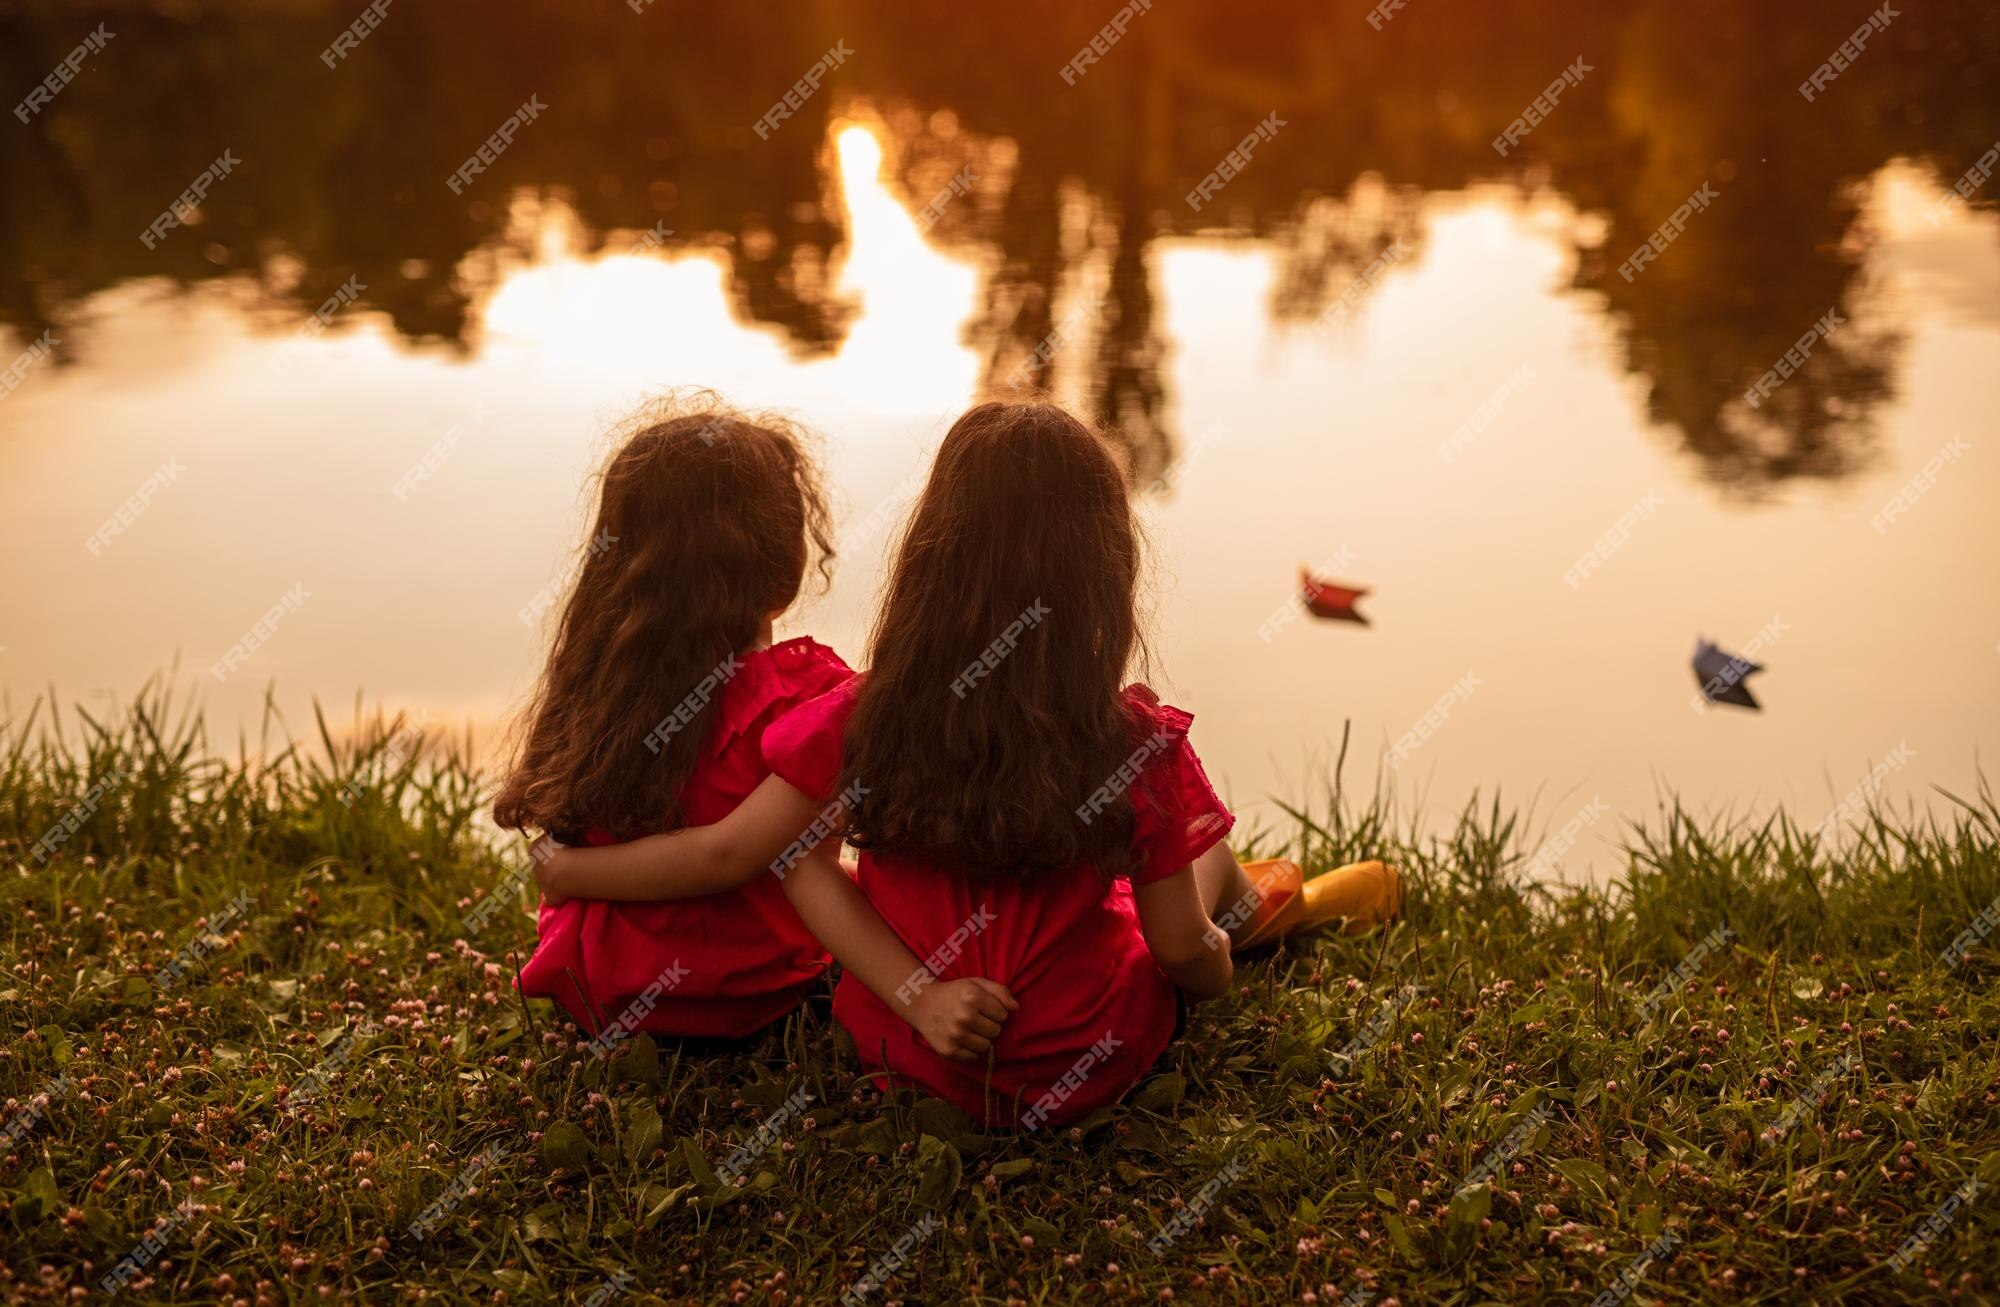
pixel 992 709
pixel 707 522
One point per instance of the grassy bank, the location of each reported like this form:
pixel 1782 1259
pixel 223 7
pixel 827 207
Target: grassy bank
pixel 292 1092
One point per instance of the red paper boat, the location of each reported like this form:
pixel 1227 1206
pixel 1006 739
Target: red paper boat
pixel 1329 599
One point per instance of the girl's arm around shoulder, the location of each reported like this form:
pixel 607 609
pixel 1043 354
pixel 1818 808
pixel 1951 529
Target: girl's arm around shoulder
pixel 686 863
pixel 958 1018
pixel 1191 949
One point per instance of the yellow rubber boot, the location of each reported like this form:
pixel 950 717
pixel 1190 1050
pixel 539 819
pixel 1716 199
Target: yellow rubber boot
pixel 1361 895
pixel 1367 894
pixel 1281 886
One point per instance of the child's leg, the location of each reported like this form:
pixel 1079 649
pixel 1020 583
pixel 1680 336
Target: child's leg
pixel 1231 898
pixel 1220 878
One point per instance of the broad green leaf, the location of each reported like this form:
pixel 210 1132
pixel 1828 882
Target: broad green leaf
pixel 660 1200
pixel 1098 1120
pixel 879 1137
pixel 698 1167
pixel 642 1134
pixel 1642 1194
pixel 1400 1236
pixel 1280 1152
pixel 563 1144
pixel 58 1043
pixel 1299 1066
pixel 1682 1146
pixel 1588 1177
pixel 1461 1223
pixel 517 1282
pixel 641 1060
pixel 544 1224
pixel 939 1170
pixel 845 1135
pixel 1161 1093
pixel 104 1227
pixel 38 1198
pixel 1469 1206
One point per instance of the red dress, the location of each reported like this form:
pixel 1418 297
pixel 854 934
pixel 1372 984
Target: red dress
pixel 724 964
pixel 1096 1010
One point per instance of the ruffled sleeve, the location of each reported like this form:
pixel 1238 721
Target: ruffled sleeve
pixel 1176 814
pixel 804 746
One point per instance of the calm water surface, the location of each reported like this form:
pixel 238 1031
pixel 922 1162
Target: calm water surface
pixel 1297 370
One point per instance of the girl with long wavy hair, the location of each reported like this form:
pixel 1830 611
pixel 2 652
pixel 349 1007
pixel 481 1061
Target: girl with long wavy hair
pixel 650 715
pixel 1023 814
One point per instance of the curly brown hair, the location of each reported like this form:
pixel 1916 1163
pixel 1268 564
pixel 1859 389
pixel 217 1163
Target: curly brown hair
pixel 708 520
pixel 993 706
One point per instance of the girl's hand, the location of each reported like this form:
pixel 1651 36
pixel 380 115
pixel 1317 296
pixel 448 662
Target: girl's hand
pixel 962 1018
pixel 548 859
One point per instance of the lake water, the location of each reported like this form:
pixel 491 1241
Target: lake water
pixel 1381 348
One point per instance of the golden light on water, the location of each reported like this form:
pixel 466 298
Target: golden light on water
pixel 606 319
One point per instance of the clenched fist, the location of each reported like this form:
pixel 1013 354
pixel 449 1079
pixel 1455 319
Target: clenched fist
pixel 962 1018
pixel 547 858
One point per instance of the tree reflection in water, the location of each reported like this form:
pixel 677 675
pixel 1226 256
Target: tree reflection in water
pixel 649 123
